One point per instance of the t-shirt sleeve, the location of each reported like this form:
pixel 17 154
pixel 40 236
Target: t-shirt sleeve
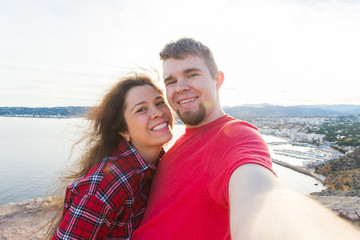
pixel 237 144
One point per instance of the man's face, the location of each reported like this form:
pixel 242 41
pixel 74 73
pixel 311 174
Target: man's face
pixel 191 91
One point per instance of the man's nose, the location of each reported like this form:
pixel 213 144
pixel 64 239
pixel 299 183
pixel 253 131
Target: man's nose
pixel 182 86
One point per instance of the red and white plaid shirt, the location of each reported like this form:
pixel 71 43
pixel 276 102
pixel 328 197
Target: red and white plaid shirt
pixel 109 201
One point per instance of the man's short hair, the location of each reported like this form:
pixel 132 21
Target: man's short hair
pixel 187 46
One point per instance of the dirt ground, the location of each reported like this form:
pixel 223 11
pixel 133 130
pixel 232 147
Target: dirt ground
pixel 26 219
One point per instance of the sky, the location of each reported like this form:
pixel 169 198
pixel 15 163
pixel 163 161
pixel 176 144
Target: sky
pixel 283 52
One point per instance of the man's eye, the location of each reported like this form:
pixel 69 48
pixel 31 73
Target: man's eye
pixel 192 75
pixel 170 82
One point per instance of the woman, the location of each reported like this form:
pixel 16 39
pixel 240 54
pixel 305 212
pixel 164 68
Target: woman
pixel 129 128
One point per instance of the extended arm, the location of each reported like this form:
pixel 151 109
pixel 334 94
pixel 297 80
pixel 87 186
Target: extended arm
pixel 262 208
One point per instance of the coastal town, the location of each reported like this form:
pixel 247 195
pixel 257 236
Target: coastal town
pixel 339 135
pixel 342 133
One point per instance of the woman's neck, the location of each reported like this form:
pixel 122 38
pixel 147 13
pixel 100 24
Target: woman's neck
pixel 149 154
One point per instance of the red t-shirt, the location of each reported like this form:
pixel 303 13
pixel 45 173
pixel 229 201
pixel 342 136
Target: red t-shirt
pixel 189 197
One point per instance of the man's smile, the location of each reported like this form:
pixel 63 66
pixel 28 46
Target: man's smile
pixel 188 100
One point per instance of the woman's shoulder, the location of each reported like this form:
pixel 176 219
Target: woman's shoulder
pixel 88 183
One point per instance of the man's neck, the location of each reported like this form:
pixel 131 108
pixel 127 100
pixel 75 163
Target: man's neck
pixel 216 115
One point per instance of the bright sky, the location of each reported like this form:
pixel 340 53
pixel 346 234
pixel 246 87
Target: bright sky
pixel 287 52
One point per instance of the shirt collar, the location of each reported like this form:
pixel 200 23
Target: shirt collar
pixel 125 149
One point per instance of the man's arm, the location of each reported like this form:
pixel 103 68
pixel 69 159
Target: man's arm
pixel 262 208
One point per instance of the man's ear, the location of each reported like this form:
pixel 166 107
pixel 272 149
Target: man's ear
pixel 125 135
pixel 219 79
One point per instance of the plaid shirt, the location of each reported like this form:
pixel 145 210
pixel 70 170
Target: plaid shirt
pixel 109 201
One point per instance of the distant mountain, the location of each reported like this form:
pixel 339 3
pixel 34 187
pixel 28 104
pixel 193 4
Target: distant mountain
pixel 341 108
pixel 267 110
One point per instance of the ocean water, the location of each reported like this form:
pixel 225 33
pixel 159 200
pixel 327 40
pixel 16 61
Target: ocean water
pixel 33 151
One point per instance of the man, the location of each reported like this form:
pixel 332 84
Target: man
pixel 217 181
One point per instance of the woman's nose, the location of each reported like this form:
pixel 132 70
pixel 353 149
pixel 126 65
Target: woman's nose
pixel 156 113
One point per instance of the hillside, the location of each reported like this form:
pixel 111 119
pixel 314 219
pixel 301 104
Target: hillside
pixel 245 112
pixel 343 173
pixel 268 110
pixel 68 111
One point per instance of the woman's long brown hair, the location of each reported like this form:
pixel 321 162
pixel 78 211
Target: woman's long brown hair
pixel 105 122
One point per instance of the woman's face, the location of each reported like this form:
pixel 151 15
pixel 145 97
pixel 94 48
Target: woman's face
pixel 148 118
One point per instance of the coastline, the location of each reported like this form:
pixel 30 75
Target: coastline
pixel 297 169
pixel 306 170
pixel 346 207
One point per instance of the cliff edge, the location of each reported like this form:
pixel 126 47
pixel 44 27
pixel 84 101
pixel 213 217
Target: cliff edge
pixel 27 219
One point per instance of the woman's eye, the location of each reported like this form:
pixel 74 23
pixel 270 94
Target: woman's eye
pixel 142 109
pixel 160 103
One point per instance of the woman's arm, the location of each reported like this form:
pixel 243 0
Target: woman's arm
pixel 86 218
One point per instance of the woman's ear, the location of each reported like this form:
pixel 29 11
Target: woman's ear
pixel 125 135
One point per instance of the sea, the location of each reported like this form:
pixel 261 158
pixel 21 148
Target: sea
pixel 34 152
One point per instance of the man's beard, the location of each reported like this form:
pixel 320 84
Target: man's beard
pixel 193 118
